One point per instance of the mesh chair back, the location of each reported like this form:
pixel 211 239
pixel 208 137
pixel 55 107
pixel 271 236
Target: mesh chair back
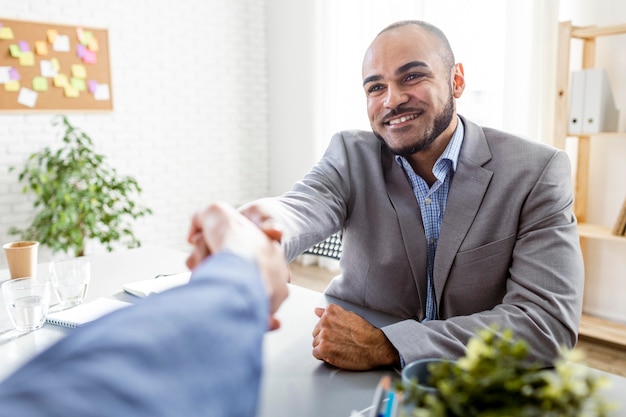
pixel 330 247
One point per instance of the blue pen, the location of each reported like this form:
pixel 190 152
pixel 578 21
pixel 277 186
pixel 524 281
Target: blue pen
pixel 397 402
pixel 391 396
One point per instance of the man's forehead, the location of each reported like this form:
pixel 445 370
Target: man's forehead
pixel 404 34
pixel 396 47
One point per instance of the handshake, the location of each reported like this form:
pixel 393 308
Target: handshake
pixel 249 234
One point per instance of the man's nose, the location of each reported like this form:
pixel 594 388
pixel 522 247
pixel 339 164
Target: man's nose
pixel 395 97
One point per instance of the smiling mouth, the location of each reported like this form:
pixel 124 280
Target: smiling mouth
pixel 402 119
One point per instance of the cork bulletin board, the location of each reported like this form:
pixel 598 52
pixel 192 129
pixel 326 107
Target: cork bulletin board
pixel 49 67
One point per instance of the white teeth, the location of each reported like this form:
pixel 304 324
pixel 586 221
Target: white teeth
pixel 402 119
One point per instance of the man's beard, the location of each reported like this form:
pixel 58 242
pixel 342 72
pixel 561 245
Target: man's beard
pixel 441 123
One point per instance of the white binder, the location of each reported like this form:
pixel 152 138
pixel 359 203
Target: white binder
pixel 577 102
pixel 592 106
pixel 600 112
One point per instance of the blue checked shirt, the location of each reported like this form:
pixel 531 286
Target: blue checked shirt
pixel 432 203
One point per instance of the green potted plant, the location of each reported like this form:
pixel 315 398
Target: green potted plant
pixel 495 379
pixel 78 196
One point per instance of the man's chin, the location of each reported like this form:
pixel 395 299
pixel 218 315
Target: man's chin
pixel 398 150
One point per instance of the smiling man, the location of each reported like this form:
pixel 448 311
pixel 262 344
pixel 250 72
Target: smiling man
pixel 449 225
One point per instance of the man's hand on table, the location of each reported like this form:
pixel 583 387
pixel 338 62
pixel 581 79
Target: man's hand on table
pixel 346 340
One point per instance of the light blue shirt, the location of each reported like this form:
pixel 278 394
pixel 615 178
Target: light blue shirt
pixel 432 202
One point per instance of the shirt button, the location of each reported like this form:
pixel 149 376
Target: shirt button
pixel 428 200
pixel 432 241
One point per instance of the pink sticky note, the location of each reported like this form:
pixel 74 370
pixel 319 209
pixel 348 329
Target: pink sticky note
pixel 23 46
pixel 80 50
pixel 92 85
pixel 14 74
pixel 89 57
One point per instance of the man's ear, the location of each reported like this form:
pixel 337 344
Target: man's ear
pixel 458 80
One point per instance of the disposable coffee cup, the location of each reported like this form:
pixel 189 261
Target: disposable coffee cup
pixel 22 258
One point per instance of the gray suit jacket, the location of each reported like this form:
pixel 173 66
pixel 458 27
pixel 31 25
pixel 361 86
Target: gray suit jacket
pixel 508 251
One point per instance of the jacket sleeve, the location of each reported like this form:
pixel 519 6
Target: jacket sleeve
pixel 191 351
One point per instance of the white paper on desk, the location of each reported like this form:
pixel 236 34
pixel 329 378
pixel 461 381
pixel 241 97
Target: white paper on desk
pixel 85 313
pixel 156 285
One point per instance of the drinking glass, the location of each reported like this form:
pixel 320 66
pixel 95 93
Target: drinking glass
pixel 70 279
pixel 27 300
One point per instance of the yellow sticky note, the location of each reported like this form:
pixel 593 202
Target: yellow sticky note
pixel 12 86
pixel 41 48
pixel 40 84
pixel 60 80
pixel 27 59
pixel 52 35
pixel 55 63
pixel 6 32
pixel 15 51
pixel 86 38
pixel 79 84
pixel 71 91
pixel 93 45
pixel 79 71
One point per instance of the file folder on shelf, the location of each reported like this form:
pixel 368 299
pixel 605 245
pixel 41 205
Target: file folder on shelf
pixel 592 106
pixel 577 102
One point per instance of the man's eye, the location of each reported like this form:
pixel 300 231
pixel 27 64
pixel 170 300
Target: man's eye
pixel 413 76
pixel 374 88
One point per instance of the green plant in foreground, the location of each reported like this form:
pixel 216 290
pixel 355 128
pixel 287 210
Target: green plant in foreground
pixel 494 379
pixel 78 196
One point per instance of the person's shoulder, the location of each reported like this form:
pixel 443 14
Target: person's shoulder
pixel 354 135
pixel 498 148
pixel 499 140
pixel 356 141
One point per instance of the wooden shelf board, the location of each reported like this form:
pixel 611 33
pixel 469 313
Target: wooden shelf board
pixel 611 332
pixel 597 135
pixel 594 231
pixel 593 32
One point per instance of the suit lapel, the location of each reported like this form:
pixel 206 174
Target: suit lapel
pixel 410 221
pixel 467 190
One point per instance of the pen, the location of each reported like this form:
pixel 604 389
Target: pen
pixel 165 275
pixel 395 406
pixel 381 390
pixel 390 404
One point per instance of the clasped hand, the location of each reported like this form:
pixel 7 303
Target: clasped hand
pixel 346 340
pixel 220 227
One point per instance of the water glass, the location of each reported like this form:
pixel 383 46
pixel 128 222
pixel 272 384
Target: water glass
pixel 70 279
pixel 27 300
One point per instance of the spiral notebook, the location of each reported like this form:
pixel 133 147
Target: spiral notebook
pixel 85 313
pixel 146 287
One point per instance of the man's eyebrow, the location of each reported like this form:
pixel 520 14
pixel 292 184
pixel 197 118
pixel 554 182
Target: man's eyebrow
pixel 402 69
pixel 371 79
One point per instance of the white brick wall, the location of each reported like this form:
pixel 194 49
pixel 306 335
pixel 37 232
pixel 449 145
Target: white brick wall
pixel 189 82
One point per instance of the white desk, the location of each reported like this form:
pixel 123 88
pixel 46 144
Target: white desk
pixel 294 382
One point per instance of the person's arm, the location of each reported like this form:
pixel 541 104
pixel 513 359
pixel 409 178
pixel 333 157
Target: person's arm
pixel 191 351
pixel 194 350
pixel 316 206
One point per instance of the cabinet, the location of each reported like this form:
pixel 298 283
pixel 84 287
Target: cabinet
pixel 591 327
